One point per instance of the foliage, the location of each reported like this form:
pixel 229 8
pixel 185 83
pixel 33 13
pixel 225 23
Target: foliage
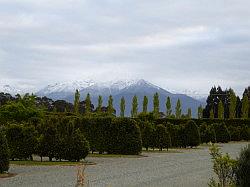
pixel 178 109
pixel 223 167
pixel 87 105
pixel 122 107
pixel 245 106
pixel 111 110
pixel 76 102
pixel 156 103
pixel 192 134
pixel 145 104
pixel 222 133
pixel 4 153
pixel 21 140
pixel 220 110
pixel 124 137
pixel 200 111
pixel 232 105
pixel 146 133
pixel 99 106
pixel 242 172
pixel 162 137
pixel 168 107
pixel 134 109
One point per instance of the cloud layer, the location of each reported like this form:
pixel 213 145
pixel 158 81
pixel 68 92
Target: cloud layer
pixel 178 45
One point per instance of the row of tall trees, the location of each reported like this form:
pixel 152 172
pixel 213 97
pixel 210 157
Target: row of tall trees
pixel 226 104
pixel 135 107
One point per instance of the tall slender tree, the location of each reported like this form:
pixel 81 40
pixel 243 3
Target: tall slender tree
pixel 156 103
pixel 211 114
pixel 200 111
pixel 168 107
pixel 99 106
pixel 145 104
pixel 122 107
pixel 245 106
pixel 76 102
pixel 178 109
pixel 110 106
pixel 232 105
pixel 220 110
pixel 134 110
pixel 88 104
pixel 189 114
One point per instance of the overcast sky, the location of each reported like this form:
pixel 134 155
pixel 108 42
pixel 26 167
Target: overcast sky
pixel 175 44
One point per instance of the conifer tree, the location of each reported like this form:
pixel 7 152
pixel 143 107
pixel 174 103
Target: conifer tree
pixel 134 110
pixel 76 102
pixel 245 106
pixel 122 107
pixel 168 107
pixel 211 114
pixel 99 107
pixel 178 109
pixel 110 106
pixel 156 105
pixel 232 106
pixel 189 114
pixel 145 104
pixel 200 110
pixel 220 110
pixel 87 104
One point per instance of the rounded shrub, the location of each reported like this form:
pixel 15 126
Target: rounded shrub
pixel 125 137
pixel 162 137
pixel 192 134
pixel 222 133
pixel 242 172
pixel 4 153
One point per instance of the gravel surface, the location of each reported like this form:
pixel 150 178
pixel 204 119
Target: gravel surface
pixel 189 168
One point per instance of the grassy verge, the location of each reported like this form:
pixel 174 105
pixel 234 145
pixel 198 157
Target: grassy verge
pixel 114 155
pixel 6 175
pixel 47 163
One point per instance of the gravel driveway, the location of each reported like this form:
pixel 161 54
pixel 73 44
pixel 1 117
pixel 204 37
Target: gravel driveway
pixel 189 168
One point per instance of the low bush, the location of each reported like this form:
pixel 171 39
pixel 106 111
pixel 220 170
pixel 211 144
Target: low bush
pixel 4 153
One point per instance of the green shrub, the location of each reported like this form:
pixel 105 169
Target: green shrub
pixel 222 133
pixel 192 134
pixel 243 168
pixel 124 137
pixel 162 137
pixel 21 140
pixel 4 153
pixel 146 133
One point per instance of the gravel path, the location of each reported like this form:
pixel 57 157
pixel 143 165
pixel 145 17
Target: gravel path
pixel 189 168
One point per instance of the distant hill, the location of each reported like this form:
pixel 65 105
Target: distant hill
pixel 118 89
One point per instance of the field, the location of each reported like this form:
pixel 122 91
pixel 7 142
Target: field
pixel 186 167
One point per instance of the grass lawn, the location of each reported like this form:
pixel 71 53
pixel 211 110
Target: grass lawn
pixel 47 163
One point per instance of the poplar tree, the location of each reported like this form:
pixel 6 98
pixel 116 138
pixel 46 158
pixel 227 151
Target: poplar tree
pixel 88 104
pixel 99 106
pixel 145 104
pixel 156 105
pixel 134 110
pixel 178 109
pixel 232 106
pixel 110 105
pixel 200 110
pixel 220 110
pixel 76 102
pixel 168 107
pixel 189 114
pixel 122 107
pixel 245 106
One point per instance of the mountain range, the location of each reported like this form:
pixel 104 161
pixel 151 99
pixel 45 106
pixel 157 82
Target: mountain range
pixel 117 89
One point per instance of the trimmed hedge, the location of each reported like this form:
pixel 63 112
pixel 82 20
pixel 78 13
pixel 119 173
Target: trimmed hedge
pixel 4 153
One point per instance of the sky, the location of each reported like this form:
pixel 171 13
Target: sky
pixel 176 44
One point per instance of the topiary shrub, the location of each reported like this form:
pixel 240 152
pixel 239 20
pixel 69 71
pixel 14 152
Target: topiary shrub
pixel 192 134
pixel 146 133
pixel 222 133
pixel 162 137
pixel 124 137
pixel 4 153
pixel 242 171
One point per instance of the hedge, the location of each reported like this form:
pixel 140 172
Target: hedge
pixel 4 153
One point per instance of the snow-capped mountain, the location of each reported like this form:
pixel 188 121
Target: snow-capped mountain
pixel 10 89
pixel 118 89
